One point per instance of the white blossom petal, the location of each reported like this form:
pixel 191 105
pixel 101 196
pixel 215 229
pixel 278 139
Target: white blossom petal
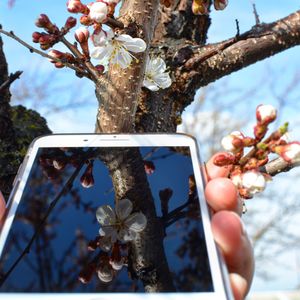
pixel 99 39
pixel 149 84
pixel 132 44
pixel 158 65
pixel 122 58
pixel 136 222
pixel 123 208
pixel 101 52
pixel 105 215
pixel 163 80
pixel 106 273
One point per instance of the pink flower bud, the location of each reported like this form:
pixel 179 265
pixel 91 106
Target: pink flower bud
pixel 86 20
pixel 82 35
pixel 86 274
pixel 224 159
pixel 220 4
pixel 87 179
pixel 56 54
pixel 233 142
pixel 59 163
pixel 105 272
pixel 253 181
pixel 42 21
pixel 98 11
pixel 59 55
pixel 75 6
pixel 260 131
pixel 265 114
pixel 149 167
pixel 70 23
pixel 289 152
pixel 100 69
pixel 36 36
pixel 200 7
pixel 116 260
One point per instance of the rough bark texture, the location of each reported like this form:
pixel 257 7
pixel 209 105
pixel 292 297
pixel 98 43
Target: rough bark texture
pixel 118 97
pixel 147 254
pixel 194 65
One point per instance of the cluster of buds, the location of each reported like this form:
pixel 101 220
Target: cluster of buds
pixel 53 34
pixel 55 162
pixel 247 170
pixel 106 265
pixel 201 7
pixel 94 13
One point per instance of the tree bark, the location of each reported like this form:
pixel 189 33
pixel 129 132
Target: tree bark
pixel 147 254
pixel 118 95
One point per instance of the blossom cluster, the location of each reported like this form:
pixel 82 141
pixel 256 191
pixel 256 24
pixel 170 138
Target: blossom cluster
pixel 112 46
pixel 201 7
pixel 119 226
pixel 247 170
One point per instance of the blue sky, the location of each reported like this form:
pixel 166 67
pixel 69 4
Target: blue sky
pixel 282 67
pixel 21 19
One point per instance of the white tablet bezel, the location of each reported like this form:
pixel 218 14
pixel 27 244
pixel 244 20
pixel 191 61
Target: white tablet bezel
pixel 220 280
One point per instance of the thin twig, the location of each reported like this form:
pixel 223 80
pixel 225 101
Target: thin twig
pixel 12 77
pixel 40 226
pixel 237 28
pixel 257 20
pixel 278 165
pixel 34 50
pixel 114 23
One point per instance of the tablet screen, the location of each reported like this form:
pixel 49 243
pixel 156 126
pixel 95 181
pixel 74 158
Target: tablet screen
pixel 122 220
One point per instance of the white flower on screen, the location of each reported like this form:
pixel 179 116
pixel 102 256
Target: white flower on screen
pixel 156 76
pixel 117 48
pixel 119 223
pixel 253 181
pixel 105 273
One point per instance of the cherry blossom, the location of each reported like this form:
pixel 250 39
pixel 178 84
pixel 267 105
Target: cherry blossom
pixel 116 48
pixel 119 223
pixel 156 76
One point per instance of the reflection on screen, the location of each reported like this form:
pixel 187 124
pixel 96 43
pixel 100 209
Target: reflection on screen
pixel 108 220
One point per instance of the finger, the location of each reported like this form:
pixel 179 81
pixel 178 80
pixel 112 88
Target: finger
pixel 2 205
pixel 221 194
pixel 236 248
pixel 213 171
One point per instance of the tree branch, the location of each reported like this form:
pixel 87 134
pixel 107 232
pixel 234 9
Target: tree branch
pixel 12 77
pixel 32 49
pixel 277 166
pixel 212 62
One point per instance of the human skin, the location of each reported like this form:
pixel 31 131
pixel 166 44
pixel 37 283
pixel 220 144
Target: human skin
pixel 227 227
